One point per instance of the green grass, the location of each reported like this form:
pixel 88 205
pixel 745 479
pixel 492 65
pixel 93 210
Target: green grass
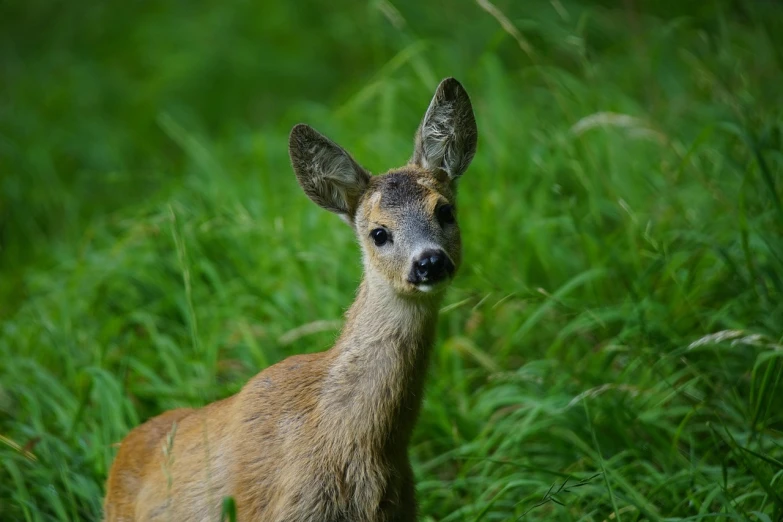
pixel 612 348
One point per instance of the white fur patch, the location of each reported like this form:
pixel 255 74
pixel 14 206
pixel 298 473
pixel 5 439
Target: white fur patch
pixel 437 135
pixel 333 174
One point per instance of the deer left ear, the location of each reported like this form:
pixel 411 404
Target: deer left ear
pixel 328 174
pixel 447 136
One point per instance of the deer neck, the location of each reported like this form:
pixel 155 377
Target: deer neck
pixel 374 386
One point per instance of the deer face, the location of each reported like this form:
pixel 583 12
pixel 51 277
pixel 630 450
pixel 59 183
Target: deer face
pixel 406 224
pixel 405 220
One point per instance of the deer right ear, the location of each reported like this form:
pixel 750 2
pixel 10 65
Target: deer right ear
pixel 327 174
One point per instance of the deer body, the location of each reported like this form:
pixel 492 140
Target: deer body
pixel 323 437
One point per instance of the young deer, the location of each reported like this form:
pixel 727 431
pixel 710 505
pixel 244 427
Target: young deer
pixel 324 436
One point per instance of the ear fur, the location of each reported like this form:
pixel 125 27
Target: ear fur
pixel 326 172
pixel 447 136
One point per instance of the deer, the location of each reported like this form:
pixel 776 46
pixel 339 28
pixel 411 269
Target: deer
pixel 324 436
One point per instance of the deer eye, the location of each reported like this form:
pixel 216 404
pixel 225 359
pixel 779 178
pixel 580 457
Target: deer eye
pixel 380 236
pixel 445 214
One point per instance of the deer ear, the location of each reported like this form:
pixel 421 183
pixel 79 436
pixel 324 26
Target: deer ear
pixel 447 136
pixel 326 173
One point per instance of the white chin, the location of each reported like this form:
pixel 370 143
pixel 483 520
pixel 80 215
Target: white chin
pixel 428 287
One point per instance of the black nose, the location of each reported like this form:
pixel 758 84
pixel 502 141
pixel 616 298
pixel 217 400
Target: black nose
pixel 431 266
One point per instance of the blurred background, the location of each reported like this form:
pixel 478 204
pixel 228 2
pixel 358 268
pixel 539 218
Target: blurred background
pixel 611 349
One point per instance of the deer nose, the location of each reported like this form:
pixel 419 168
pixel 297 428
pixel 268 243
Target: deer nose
pixel 431 266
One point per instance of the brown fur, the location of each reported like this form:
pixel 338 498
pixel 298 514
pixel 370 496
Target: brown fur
pixel 320 437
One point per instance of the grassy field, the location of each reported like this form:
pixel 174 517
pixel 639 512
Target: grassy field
pixel 612 348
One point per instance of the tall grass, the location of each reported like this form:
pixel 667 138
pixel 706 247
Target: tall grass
pixel 611 350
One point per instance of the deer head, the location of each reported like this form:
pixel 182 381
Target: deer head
pixel 406 219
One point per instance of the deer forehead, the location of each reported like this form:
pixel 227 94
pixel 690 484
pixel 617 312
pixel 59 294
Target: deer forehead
pixel 398 194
